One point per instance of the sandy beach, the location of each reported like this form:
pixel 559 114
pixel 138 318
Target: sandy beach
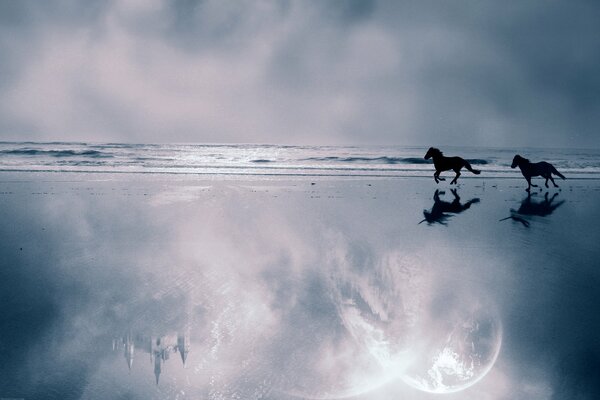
pixel 296 287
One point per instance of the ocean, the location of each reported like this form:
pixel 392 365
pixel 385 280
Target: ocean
pixel 269 160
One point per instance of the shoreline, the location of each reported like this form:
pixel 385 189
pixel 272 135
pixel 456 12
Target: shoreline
pixel 282 176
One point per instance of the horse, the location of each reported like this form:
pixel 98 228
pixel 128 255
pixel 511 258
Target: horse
pixel 529 169
pixel 443 163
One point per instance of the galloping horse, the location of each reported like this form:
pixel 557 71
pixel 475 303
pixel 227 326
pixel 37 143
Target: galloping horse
pixel 529 169
pixel 443 163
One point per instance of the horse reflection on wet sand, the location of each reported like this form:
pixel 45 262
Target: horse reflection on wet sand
pixel 529 208
pixel 442 210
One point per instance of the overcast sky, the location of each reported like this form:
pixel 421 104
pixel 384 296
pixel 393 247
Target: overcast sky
pixel 507 73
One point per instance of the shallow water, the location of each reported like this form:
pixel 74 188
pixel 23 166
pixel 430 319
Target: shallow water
pixel 293 287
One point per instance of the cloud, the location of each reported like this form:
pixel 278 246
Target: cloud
pixel 301 72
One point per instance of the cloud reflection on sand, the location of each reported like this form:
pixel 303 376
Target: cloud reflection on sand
pixel 295 302
pixel 283 293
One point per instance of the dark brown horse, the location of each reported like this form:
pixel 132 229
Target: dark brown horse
pixel 529 169
pixel 443 163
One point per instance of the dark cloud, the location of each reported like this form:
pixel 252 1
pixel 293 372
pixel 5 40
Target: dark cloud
pixel 32 298
pixel 576 375
pixel 199 25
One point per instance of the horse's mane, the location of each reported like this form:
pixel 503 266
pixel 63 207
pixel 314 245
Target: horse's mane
pixel 437 151
pixel 523 158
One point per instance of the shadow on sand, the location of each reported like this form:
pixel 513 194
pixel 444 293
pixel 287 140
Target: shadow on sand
pixel 442 210
pixel 530 208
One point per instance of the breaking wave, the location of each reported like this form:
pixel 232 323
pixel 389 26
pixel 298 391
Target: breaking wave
pixel 383 160
pixel 56 153
pixel 372 160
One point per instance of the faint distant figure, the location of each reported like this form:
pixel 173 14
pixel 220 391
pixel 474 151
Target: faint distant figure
pixel 440 210
pixel 529 169
pixel 529 208
pixel 443 163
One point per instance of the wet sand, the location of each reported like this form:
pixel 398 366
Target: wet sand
pixel 301 287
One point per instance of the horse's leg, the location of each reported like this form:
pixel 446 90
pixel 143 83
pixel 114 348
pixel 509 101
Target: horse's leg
pixel 552 179
pixel 437 177
pixel 455 178
pixel 546 183
pixel 529 183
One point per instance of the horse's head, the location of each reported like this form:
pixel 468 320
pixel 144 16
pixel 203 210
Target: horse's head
pixel 516 161
pixel 432 152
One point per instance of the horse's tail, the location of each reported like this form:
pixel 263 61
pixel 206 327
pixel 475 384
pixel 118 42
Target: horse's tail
pixel 555 172
pixel 468 166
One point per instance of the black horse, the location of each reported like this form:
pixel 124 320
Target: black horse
pixel 443 163
pixel 440 209
pixel 529 169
